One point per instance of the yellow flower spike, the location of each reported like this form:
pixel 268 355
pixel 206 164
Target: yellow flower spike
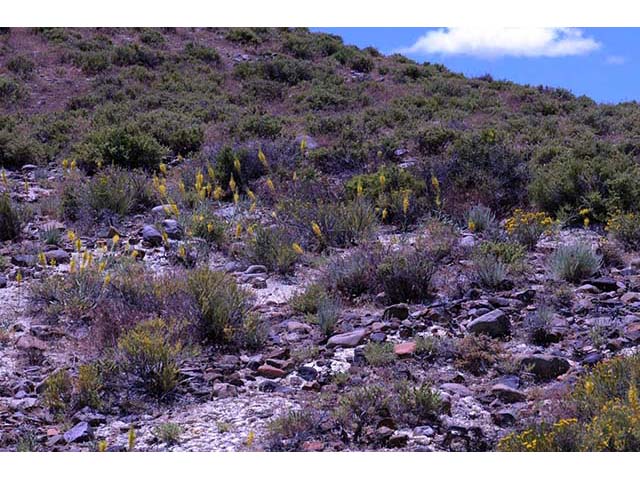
pixel 181 187
pixel 65 163
pixel 263 158
pixel 101 266
pixel 209 227
pixel 26 186
pixel 202 193
pixel 211 173
pixel 316 229
pixel 435 183
pixel 163 168
pixel 586 222
pixel 71 235
pixel 72 265
pixel 52 262
pixel 359 188
pixel 162 190
pixel 218 193
pixel 405 203
pixel 134 254
pixel 385 214
pixel 165 237
pixel 174 209
pixel 102 446
pixel 107 279
pixel 297 248
pixel 250 229
pixel 167 209
pixel 78 244
pixel 303 145
pixel 252 436
pixel 99 164
pixel 236 164
pixel 238 230
pixel 208 188
pixel 252 207
pixel 471 225
pixel 270 185
pixel 382 179
pixel 42 259
pixel 236 197
pixel 199 180
pixel 232 184
pixel 73 164
pixel 19 277
pixel 115 239
pixel 182 253
pixel 251 195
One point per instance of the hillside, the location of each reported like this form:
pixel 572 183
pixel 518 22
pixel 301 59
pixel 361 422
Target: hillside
pixel 264 239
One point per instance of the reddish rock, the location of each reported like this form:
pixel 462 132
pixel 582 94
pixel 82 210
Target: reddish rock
pixel 271 372
pixel 405 349
pixel 312 446
pixel 29 342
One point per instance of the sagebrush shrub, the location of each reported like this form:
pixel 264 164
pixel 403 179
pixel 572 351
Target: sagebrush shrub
pixel 574 262
pixel 273 248
pixel 480 219
pixel 405 275
pixel 9 220
pixel 490 271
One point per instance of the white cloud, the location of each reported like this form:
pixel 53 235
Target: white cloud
pixel 615 60
pixel 501 42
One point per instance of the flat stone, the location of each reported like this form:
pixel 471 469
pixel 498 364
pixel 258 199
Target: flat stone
pixel 270 371
pixel 224 390
pixel 456 389
pixel 504 418
pixel 405 349
pixel 545 367
pixel 604 284
pixel 349 339
pixel 24 260
pixel 630 297
pixel 253 269
pixel 29 342
pixel 494 324
pixel 58 256
pixel 508 394
pixel 80 432
pixel 172 229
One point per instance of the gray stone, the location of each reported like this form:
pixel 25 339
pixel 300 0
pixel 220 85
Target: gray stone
pixel 172 229
pixel 494 324
pixel 349 339
pixel 545 366
pixel 508 394
pixel 151 235
pixel 253 269
pixel 3 281
pixel 224 390
pixel 24 260
pixel 58 256
pixel 80 432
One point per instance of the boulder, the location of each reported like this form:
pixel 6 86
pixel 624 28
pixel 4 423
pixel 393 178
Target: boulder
pixel 349 339
pixel 545 367
pixel 494 324
pixel 399 311
pixel 57 256
pixel 80 432
pixel 151 236
pixel 172 229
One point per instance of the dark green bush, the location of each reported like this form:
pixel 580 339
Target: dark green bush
pixel 273 248
pixel 21 66
pixel 9 219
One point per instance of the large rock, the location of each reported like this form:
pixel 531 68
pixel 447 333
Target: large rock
pixel 493 324
pixel 604 284
pixel 405 349
pixel 270 371
pixel 545 367
pixel 508 394
pixel 172 228
pixel 349 339
pixel 80 432
pixel 57 256
pixel 151 235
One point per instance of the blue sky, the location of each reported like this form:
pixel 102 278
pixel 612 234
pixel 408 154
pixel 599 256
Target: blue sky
pixel 601 63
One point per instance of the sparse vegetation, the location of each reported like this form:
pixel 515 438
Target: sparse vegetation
pixel 574 262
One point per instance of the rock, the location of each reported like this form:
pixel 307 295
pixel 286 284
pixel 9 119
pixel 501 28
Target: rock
pixel 307 373
pixel 604 284
pixel 592 359
pixel 632 331
pixel 22 403
pixel 81 432
pixel 259 283
pixel 151 235
pixel 163 210
pixel 504 418
pixel 57 256
pixel 270 371
pixel 310 143
pixel 29 167
pixel 253 269
pixel 349 339
pixel 29 342
pixel 630 297
pixel 3 281
pixel 399 311
pixel 24 260
pixel 456 389
pixel 377 337
pixel 224 390
pixel 545 366
pixel 398 440
pixel 508 394
pixel 172 228
pixel 312 446
pixel 495 324
pixel 468 241
pixel 405 349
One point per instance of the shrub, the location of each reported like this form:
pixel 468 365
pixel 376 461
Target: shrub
pixel 246 36
pixel 58 389
pixel 405 276
pixel 379 354
pixel 490 272
pixel 360 407
pixel 480 219
pixel 202 53
pixel 418 403
pixel 290 430
pixel 17 148
pixel 9 219
pixel 149 352
pixel 434 140
pixel 262 126
pixel 509 253
pixel 328 312
pixel 538 325
pixel 11 91
pixel 353 274
pixel 574 262
pixel 89 385
pixel 308 300
pixel 119 191
pixel 168 433
pixel 605 414
pixel 222 305
pixel 125 146
pixel 527 227
pixel 625 227
pixel 273 248
pixel 477 353
pixel 205 225
pixel 21 66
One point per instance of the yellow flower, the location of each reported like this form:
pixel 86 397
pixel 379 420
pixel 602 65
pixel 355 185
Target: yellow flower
pixel 232 184
pixel 73 164
pixel 238 230
pixel 236 197
pixel 303 145
pixel 382 179
pixel 270 185
pixel 252 436
pixel 101 266
pixel 163 168
pixel 316 229
pixel 218 193
pixel 263 159
pixel 107 279
pixel 359 188
pixel 71 235
pixel 236 164
pixel 584 211
pixel 209 227
pixel 472 225
pixel 211 172
pixel 19 276
pixel 78 244
pixel 115 239
pixel 65 163
pixel 162 190
pixel 405 203
pixel 385 214
pixel 72 265
pixel 251 195
pixel 585 221
pixel 297 248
